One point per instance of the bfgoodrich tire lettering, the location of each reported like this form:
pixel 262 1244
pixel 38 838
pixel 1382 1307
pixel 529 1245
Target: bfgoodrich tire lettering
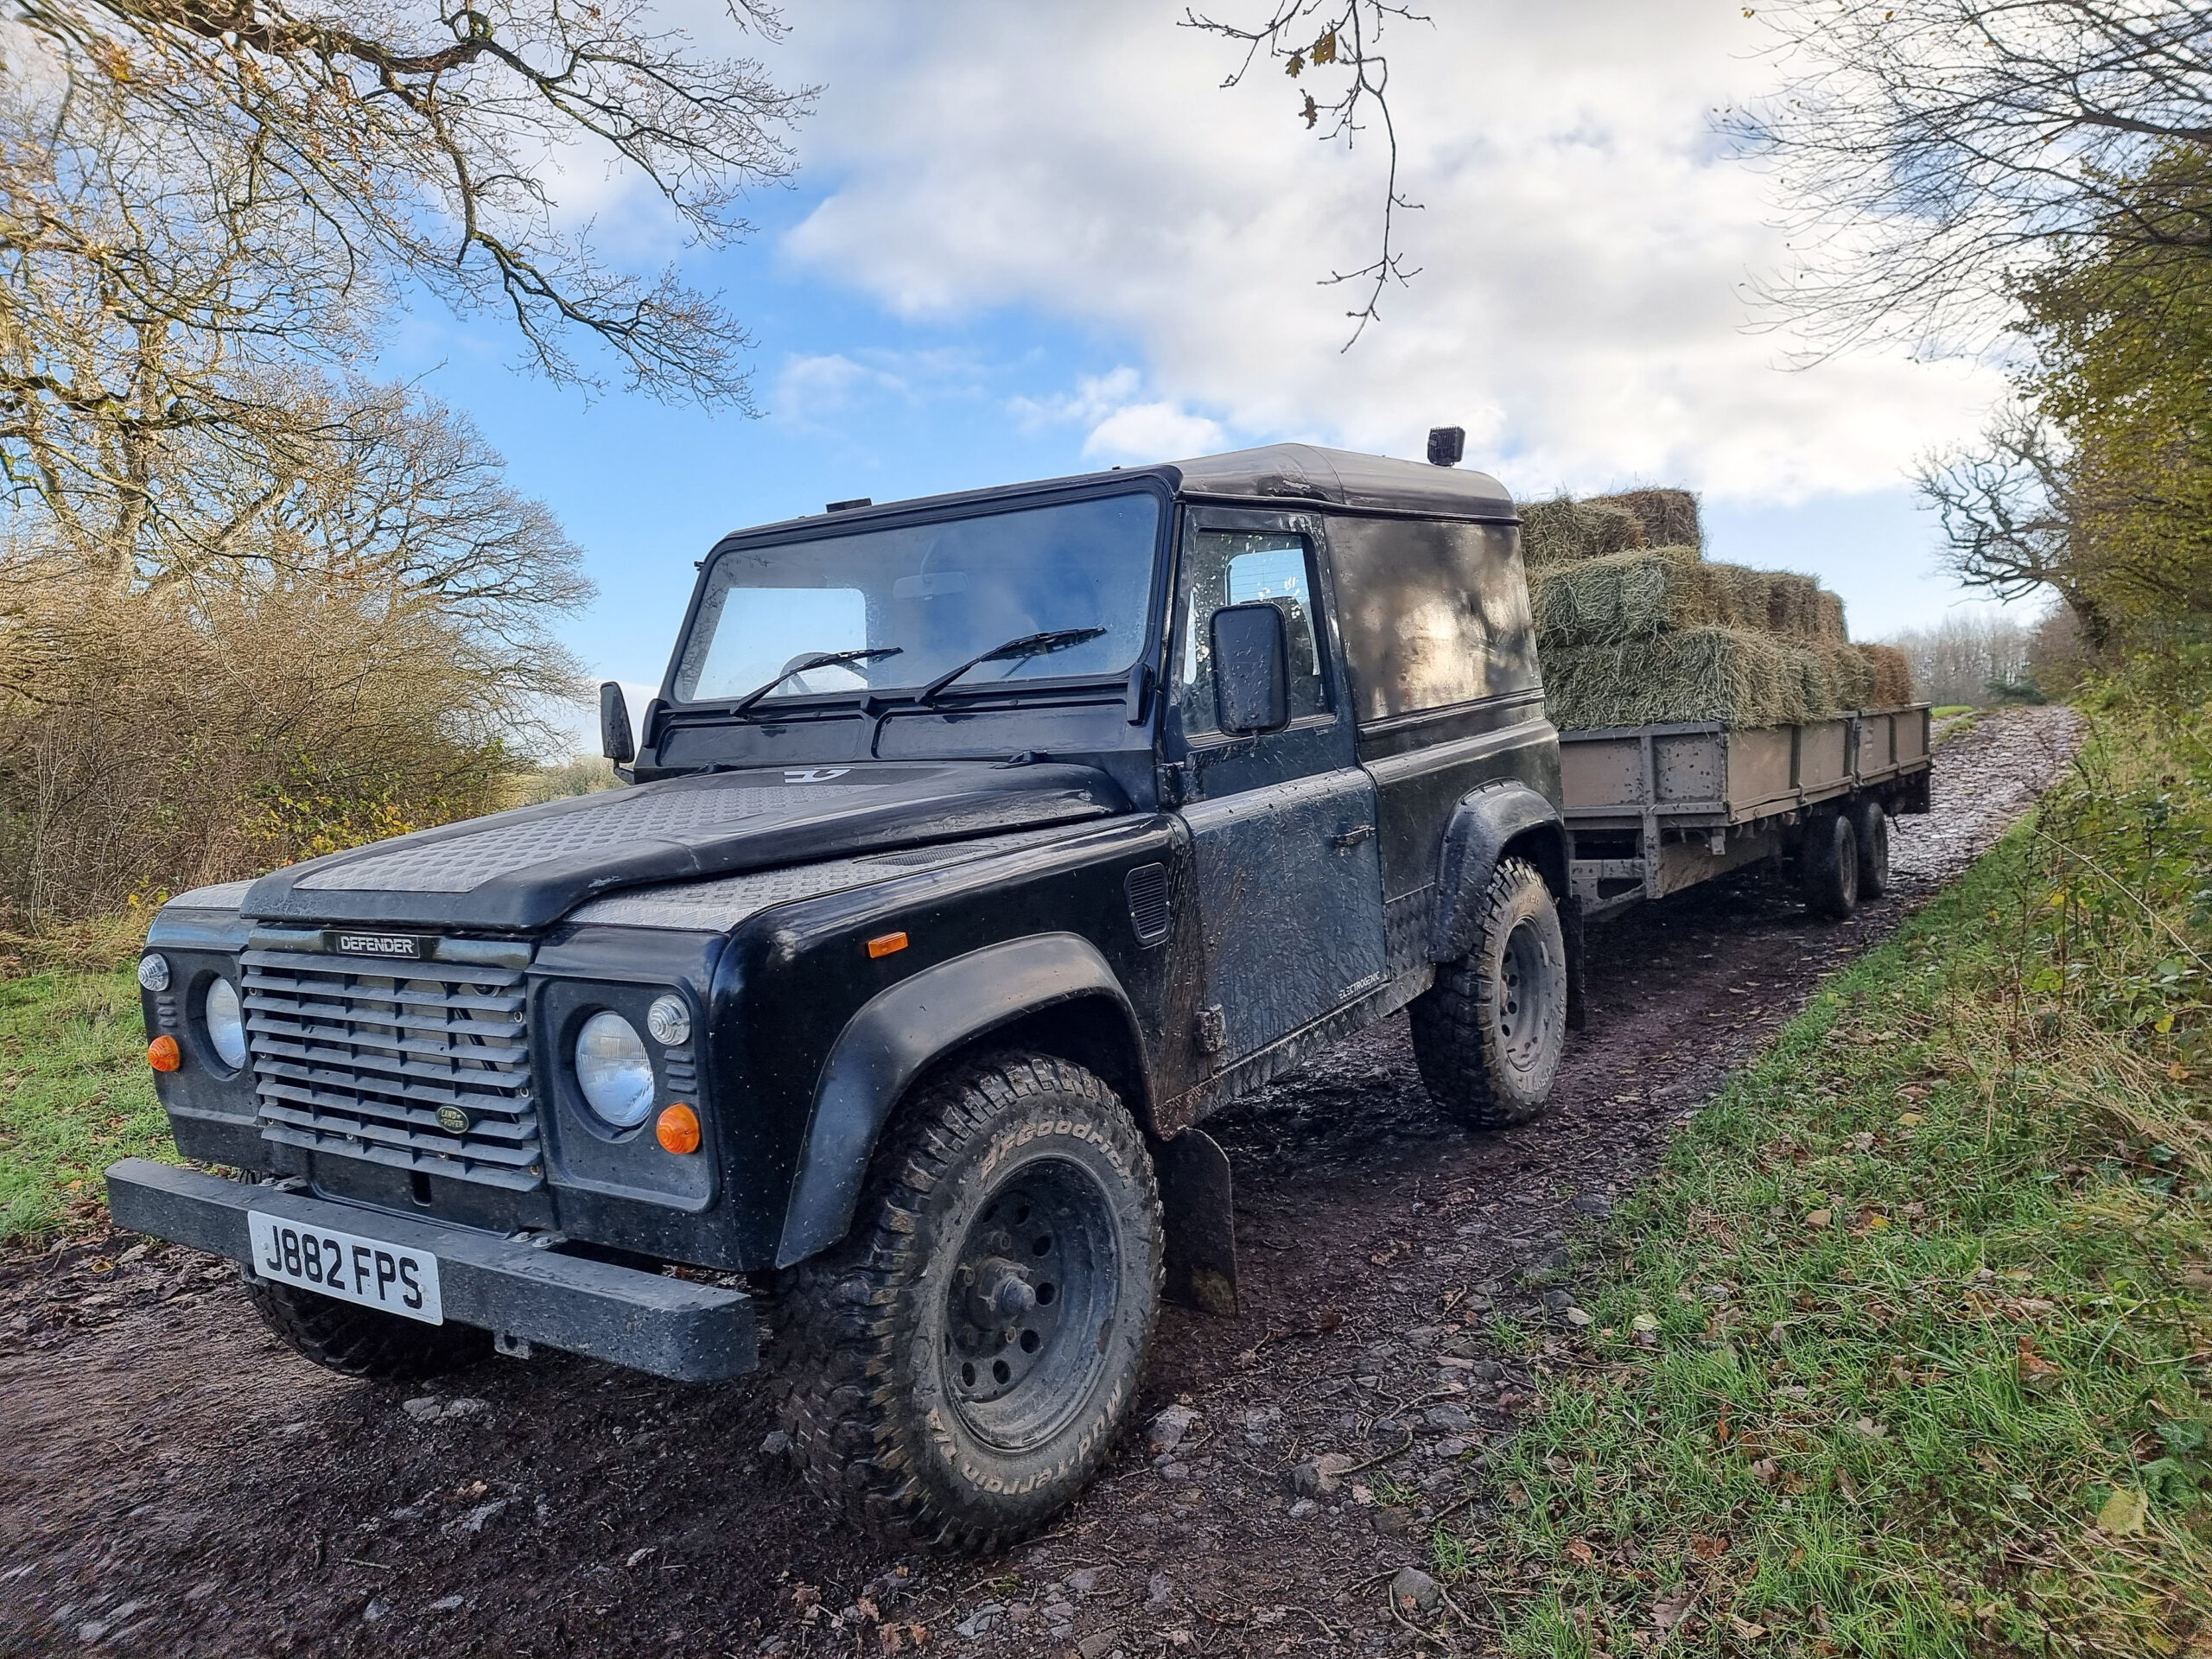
pixel 1013 1198
pixel 360 1341
pixel 1489 1035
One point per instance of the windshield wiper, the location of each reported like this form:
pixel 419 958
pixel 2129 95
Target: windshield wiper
pixel 1029 645
pixel 819 659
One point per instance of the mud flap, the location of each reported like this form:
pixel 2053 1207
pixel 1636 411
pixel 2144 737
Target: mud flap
pixel 1570 926
pixel 1201 1221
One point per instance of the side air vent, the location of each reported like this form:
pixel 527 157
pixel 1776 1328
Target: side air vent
pixel 1147 890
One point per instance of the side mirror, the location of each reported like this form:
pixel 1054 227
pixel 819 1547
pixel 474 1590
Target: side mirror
pixel 1251 668
pixel 616 740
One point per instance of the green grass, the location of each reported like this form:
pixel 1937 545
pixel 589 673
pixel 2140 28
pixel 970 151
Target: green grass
pixel 75 1095
pixel 1950 710
pixel 1950 1391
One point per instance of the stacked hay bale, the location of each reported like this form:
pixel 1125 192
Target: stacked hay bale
pixel 1635 628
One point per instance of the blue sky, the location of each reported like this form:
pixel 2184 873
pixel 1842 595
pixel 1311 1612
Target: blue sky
pixel 1027 241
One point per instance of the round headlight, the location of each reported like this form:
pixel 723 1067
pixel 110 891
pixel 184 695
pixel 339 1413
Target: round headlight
pixel 613 1069
pixel 670 1022
pixel 154 972
pixel 226 1022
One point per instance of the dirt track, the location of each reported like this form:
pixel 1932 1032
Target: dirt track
pixel 174 1482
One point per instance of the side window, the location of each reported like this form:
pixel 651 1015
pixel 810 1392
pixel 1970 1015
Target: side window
pixel 1432 614
pixel 1235 566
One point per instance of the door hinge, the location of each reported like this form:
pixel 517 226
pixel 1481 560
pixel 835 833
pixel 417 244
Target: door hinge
pixel 1213 1030
pixel 1350 838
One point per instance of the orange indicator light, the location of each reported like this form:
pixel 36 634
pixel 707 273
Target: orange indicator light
pixel 162 1054
pixel 678 1129
pixel 884 943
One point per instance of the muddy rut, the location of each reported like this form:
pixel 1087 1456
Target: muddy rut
pixel 174 1482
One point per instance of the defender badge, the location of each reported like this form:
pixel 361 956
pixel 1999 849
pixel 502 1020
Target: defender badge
pixel 814 774
pixel 414 946
pixel 454 1120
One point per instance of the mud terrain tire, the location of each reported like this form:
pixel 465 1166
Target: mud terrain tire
pixel 1489 1035
pixel 1012 1199
pixel 1828 866
pixel 361 1342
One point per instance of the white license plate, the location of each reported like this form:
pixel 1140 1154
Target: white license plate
pixel 369 1271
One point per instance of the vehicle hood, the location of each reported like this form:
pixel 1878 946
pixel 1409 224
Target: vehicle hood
pixel 518 870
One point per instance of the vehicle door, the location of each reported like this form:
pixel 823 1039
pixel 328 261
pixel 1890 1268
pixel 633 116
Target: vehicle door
pixel 1440 655
pixel 1282 823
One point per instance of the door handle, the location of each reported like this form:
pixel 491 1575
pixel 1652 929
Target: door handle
pixel 1350 838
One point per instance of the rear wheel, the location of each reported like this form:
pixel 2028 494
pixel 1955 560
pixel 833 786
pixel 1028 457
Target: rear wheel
pixel 1489 1035
pixel 1870 826
pixel 967 1357
pixel 360 1341
pixel 1827 861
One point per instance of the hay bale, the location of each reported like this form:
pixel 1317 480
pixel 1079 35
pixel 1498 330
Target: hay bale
pixel 1564 530
pixel 1832 678
pixel 1854 675
pixel 1669 517
pixel 1828 608
pixel 1892 669
pixel 1793 605
pixel 1732 676
pixel 1628 596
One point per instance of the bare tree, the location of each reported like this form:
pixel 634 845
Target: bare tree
pixel 1970 659
pixel 2008 508
pixel 1335 46
pixel 1933 151
pixel 308 162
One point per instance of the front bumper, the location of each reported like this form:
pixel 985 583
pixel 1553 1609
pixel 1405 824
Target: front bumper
pixel 670 1328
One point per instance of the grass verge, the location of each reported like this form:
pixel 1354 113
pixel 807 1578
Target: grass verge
pixel 1907 1350
pixel 75 1095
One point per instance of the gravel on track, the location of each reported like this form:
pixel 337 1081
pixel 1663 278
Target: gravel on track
pixel 174 1482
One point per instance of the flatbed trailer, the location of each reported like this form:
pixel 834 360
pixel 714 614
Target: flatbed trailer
pixel 1652 809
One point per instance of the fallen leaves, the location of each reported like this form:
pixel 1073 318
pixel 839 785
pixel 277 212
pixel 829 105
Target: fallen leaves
pixel 2037 1375
pixel 2123 1513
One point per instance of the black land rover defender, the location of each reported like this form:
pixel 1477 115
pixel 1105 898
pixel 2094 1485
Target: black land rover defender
pixel 978 847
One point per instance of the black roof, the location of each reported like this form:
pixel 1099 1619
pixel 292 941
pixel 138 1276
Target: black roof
pixel 1344 476
pixel 1275 472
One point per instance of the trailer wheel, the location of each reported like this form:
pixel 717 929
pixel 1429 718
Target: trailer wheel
pixel 1870 826
pixel 362 1342
pixel 1488 1035
pixel 963 1361
pixel 1827 863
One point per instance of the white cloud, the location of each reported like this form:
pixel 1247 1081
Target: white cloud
pixel 1095 397
pixel 1583 242
pixel 1153 432
pixel 1123 425
pixel 809 390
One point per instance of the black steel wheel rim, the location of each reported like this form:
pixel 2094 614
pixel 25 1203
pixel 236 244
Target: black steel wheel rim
pixel 1524 993
pixel 1032 1299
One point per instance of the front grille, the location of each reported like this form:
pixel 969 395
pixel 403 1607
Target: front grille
pixel 356 1062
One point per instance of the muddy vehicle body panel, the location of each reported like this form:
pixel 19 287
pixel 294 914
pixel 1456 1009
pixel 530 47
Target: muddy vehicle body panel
pixel 826 892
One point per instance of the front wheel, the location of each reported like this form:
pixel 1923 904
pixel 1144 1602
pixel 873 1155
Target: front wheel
pixel 1489 1035
pixel 967 1357
pixel 362 1342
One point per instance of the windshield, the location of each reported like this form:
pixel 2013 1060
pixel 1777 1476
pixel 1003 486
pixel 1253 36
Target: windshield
pixel 927 598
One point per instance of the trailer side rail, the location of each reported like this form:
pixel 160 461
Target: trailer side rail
pixel 1655 809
